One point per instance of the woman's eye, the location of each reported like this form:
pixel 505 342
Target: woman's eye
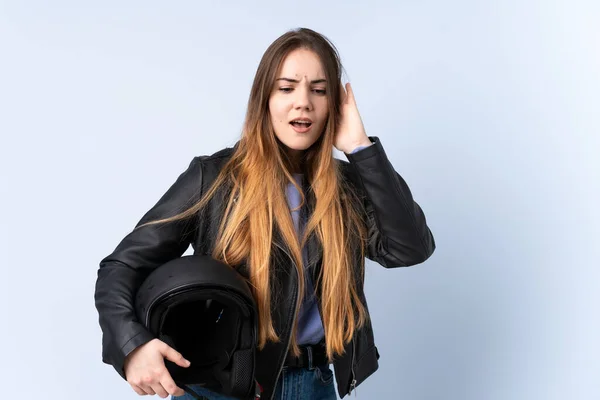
pixel 318 91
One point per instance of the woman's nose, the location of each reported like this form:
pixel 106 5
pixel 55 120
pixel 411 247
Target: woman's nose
pixel 302 99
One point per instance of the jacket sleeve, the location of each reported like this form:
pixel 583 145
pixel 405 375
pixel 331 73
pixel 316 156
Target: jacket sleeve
pixel 141 251
pixel 398 235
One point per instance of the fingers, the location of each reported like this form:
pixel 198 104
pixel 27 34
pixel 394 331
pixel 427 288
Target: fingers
pixel 139 390
pixel 166 386
pixel 170 386
pixel 146 371
pixel 342 93
pixel 173 355
pixel 346 93
pixel 147 384
pixel 350 97
pixel 160 391
pixel 143 390
pixel 162 385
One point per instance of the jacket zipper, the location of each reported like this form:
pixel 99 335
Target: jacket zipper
pixel 293 316
pixel 353 383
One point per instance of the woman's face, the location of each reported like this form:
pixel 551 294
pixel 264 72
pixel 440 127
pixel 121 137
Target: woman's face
pixel 299 93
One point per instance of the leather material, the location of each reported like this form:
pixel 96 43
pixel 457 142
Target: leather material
pixel 398 237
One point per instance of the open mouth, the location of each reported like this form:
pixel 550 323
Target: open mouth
pixel 301 124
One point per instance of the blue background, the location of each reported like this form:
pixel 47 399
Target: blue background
pixel 489 110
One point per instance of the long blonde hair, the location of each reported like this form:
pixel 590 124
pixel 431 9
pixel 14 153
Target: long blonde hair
pixel 258 172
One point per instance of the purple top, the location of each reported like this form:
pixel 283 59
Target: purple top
pixel 310 326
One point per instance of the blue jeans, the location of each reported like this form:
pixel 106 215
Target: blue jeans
pixel 293 384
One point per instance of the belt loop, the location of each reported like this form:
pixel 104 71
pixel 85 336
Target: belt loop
pixel 309 350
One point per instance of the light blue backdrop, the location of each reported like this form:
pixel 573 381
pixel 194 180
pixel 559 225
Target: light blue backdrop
pixel 489 111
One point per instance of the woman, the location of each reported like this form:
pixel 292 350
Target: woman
pixel 294 220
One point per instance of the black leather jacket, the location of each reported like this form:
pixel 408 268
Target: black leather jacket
pixel 398 237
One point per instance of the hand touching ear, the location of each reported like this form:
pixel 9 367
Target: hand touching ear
pixel 351 131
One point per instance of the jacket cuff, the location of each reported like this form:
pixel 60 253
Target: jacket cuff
pixel 366 152
pixel 359 148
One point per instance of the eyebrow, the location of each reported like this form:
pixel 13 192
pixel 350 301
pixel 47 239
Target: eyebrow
pixel 297 81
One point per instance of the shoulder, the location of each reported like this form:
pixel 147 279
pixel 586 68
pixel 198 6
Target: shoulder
pixel 214 161
pixel 206 167
pixel 216 157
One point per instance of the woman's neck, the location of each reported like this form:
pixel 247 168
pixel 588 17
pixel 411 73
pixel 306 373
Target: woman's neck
pixel 295 157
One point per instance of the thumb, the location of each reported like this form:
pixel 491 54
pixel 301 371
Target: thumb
pixel 173 355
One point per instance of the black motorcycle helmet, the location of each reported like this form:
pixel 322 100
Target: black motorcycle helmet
pixel 204 309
